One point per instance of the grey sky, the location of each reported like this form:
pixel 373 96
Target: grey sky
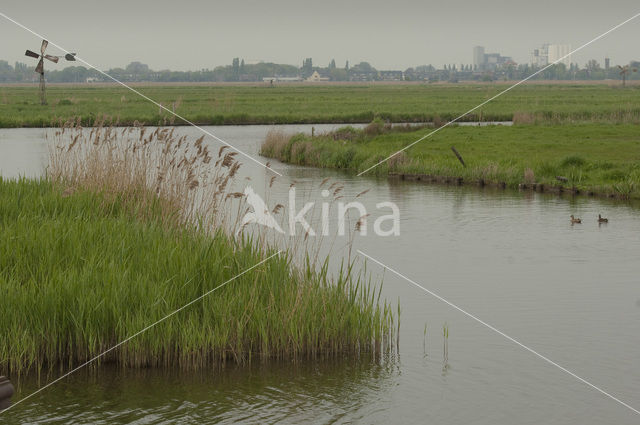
pixel 392 34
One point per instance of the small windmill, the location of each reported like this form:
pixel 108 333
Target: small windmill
pixel 624 71
pixel 40 67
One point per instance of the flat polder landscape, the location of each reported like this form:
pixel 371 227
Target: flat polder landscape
pixel 229 104
pixel 575 137
pixel 115 213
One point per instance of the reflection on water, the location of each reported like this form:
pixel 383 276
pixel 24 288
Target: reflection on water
pixel 510 258
pixel 322 391
pixel 23 152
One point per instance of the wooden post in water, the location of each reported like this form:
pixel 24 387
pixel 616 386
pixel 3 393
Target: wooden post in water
pixel 458 156
pixel 6 391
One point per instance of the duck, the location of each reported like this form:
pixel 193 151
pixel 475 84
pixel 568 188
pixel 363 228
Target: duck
pixel 6 391
pixel 601 219
pixel 575 220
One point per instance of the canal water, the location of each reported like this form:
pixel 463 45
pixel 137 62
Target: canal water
pixel 511 259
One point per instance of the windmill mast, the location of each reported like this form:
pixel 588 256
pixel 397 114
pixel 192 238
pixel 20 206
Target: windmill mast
pixel 40 67
pixel 43 98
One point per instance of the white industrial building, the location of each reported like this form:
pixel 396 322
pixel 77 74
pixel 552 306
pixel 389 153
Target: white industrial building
pixel 550 53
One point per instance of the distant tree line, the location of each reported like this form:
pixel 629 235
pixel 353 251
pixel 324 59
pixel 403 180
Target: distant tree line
pixel 239 71
pixel 591 71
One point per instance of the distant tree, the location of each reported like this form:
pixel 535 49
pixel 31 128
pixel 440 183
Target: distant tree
pixel 332 64
pixel 235 66
pixel 409 74
pixel 593 65
pixel 137 67
pixel 20 67
pixel 337 74
pixel 509 70
pixel 307 67
pixel 346 66
pixel 6 72
pixel 75 74
pixel 137 70
pixel 364 67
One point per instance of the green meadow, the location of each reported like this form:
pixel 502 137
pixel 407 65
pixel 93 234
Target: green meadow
pixel 329 103
pixel 592 157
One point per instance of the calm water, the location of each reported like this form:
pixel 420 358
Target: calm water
pixel 572 293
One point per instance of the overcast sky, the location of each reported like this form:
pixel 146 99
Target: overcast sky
pixel 392 34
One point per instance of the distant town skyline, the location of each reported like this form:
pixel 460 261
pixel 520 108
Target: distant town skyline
pixel 195 35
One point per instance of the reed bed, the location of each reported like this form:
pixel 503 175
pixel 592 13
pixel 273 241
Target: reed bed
pixel 149 168
pixel 624 115
pixel 132 224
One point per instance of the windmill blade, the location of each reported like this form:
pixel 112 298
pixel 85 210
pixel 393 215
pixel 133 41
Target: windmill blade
pixel 70 56
pixel 45 43
pixel 53 59
pixel 40 67
pixel 31 54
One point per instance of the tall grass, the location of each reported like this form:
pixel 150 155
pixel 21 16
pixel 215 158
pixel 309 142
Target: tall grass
pixel 118 237
pixel 623 115
pixel 147 167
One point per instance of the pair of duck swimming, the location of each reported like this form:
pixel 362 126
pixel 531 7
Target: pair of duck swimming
pixel 601 219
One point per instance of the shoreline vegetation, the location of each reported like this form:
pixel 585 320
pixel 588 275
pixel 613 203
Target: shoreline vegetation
pixel 131 225
pixel 346 103
pixel 587 158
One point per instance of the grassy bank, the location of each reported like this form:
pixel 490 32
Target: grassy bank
pixel 599 158
pixel 361 103
pixel 97 252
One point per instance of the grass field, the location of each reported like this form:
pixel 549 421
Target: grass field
pixel 601 158
pixel 355 103
pixel 100 250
